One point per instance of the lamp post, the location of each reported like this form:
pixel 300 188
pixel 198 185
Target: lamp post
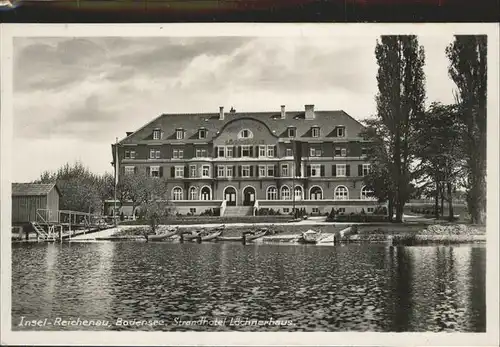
pixel 116 180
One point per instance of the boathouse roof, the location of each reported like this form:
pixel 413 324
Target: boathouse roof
pixel 33 189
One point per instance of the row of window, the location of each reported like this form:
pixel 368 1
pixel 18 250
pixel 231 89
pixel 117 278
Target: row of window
pixel 245 151
pixel 314 170
pixel 246 133
pixel 315 193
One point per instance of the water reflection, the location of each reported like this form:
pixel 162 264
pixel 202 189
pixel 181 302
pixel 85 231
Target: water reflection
pixel 345 288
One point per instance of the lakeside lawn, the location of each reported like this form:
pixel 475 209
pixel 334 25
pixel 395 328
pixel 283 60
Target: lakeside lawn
pixel 398 234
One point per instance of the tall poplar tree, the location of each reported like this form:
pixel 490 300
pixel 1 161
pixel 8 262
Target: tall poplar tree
pixel 400 100
pixel 468 69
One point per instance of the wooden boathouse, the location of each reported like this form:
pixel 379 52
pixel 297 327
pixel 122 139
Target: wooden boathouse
pixel 35 209
pixel 28 198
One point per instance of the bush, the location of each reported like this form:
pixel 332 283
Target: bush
pixel 357 217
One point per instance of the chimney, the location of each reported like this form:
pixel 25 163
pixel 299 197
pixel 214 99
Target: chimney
pixel 309 111
pixel 283 112
pixel 221 113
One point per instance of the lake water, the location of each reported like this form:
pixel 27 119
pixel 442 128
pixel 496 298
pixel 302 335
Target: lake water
pixel 224 286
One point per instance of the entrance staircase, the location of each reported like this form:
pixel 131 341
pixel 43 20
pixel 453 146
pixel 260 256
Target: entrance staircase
pixel 44 235
pixel 238 211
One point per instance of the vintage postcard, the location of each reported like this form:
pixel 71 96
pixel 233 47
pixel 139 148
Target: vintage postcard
pixel 332 184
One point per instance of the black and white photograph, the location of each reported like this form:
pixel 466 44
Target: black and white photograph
pixel 240 178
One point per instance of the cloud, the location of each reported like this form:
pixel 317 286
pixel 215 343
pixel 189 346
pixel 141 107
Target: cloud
pixel 76 91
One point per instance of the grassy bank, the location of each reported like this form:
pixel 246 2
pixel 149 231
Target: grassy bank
pixel 397 234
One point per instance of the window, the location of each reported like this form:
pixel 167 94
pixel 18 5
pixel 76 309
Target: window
pixel 178 154
pixel 366 169
pixel 152 153
pixel 370 209
pixel 201 153
pixel 341 193
pixel 221 151
pixel 291 132
pixel 156 134
pixel 193 193
pixel 229 152
pixel 270 171
pixel 316 193
pixel 288 152
pixel 192 210
pixel 192 171
pixel 341 210
pixel 285 193
pixel 341 171
pixel 315 132
pixel 316 170
pixel 245 151
pixel 272 193
pixel 229 171
pixel 364 151
pixel 177 193
pixel 315 210
pixel 298 193
pixel 366 193
pixel 221 171
pixel 262 151
pixel 155 171
pixel 312 152
pixel 270 151
pixel 286 210
pixel 206 193
pixel 205 171
pixel 262 171
pixel 340 152
pixel 179 171
pixel 245 134
pixel 245 171
pixel 340 132
pixel 157 154
pixel 129 170
pixel 179 134
pixel 127 154
pixel 132 154
pixel 202 133
pixel 284 170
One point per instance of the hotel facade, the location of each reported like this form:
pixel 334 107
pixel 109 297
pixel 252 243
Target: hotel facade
pixel 244 161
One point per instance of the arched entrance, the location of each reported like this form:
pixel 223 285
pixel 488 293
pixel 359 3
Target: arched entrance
pixel 248 196
pixel 230 196
pixel 206 193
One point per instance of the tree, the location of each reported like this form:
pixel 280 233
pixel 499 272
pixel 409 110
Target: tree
pixel 155 212
pixel 468 69
pixel 81 190
pixel 140 189
pixel 439 146
pixel 378 181
pixel 400 99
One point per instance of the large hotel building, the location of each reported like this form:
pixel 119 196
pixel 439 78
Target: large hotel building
pixel 244 161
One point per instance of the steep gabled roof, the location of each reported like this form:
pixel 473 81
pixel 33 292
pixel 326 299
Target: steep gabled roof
pixel 192 122
pixel 33 189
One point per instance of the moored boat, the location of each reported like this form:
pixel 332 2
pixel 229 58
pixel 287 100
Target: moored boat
pixel 161 237
pixel 310 236
pixel 257 234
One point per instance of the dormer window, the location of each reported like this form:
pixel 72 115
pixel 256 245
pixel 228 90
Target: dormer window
pixel 202 133
pixel 245 134
pixel 340 131
pixel 291 132
pixel 179 134
pixel 315 131
pixel 156 134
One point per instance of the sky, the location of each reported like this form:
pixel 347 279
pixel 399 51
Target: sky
pixel 74 96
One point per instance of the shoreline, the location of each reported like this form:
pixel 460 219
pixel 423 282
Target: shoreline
pixel 407 234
